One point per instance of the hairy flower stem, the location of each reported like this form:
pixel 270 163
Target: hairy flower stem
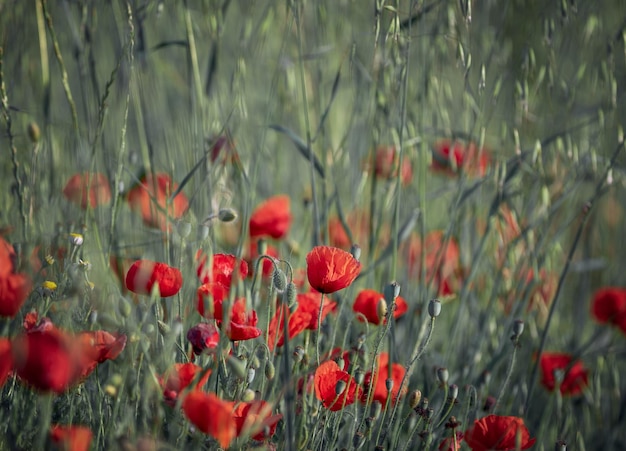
pixel 319 330
pixel 507 377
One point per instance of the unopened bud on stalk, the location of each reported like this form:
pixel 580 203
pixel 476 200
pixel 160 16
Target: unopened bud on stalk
pixel 453 392
pixel 254 362
pixel 560 445
pixel 359 376
pixel 291 294
pixel 442 375
pixel 340 387
pixel 355 250
pixel 518 328
pixel 298 354
pixel 414 398
pixel 183 228
pixel 389 385
pixel 381 308
pixel 391 291
pixel 434 308
pixel 341 363
pixel 270 370
pixel 279 279
pixel 227 215
pixel 248 395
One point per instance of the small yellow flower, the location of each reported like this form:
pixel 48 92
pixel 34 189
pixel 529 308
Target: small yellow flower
pixel 76 239
pixel 49 285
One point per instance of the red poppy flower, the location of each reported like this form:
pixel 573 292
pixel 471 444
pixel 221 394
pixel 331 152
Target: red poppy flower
pixel 221 269
pixel 272 218
pixel 211 415
pixel 150 198
pixel 7 258
pixel 47 360
pixel 496 432
pixel 298 322
pixel 327 376
pixel 211 296
pixel 379 384
pixel 366 303
pixel 14 287
pixel 144 274
pixel 452 158
pixel 574 381
pixel 609 306
pixel 223 151
pixel 386 164
pixel 310 303
pixel 243 323
pixel 98 346
pixel 203 336
pixel 71 438
pixel 266 264
pixel 6 360
pixel 99 191
pixel 331 269
pixel 255 419
pixel 178 378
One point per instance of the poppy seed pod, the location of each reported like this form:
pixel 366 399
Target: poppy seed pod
pixel 434 308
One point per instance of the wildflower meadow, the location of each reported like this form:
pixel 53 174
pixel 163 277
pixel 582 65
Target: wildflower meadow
pixel 312 225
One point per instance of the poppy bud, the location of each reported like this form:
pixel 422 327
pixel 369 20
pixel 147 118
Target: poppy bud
pixel 518 328
pixel 279 280
pixel 184 229
pixel 227 215
pixel 389 385
pixel 453 392
pixel 414 398
pixel 391 291
pixel 359 376
pixel 270 370
pixel 291 293
pixel 355 250
pixel 34 133
pixel 341 363
pixel 248 395
pixel 237 367
pixel 442 375
pixel 434 308
pixel 340 387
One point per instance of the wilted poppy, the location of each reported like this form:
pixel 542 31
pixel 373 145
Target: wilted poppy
pixel 574 374
pixel 211 296
pixel 255 419
pixel 298 322
pixel 452 158
pixel 88 190
pixel 334 387
pixel 609 306
pixel 179 377
pixel 203 336
pixel 151 199
pixel 211 415
pixel 367 304
pixel 144 274
pixel 243 323
pixel 379 383
pixel 221 269
pixel 331 269
pixel 387 160
pixel 496 432
pixel 71 438
pixel 272 218
pixel 6 360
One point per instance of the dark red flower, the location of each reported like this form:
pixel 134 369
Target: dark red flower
pixel 144 274
pixel 203 336
pixel 211 415
pixel 379 385
pixel 6 360
pixel 327 377
pixel 453 158
pixel 331 269
pixel 99 191
pixel 151 199
pixel 386 164
pixel 573 381
pixel 609 306
pixel 496 432
pixel 221 268
pixel 272 218
pixel 298 322
pixel 255 419
pixel 179 377
pixel 71 438
pixel 211 296
pixel 243 323
pixel 366 303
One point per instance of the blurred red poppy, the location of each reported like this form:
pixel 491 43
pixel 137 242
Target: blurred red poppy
pixel 358 222
pixel 387 160
pixel 255 419
pixel 573 381
pixel 331 269
pixel 99 191
pixel 379 384
pixel 223 151
pixel 6 360
pixel 98 346
pixel 243 323
pixel 266 264
pixel 211 296
pixel 211 415
pixel 272 218
pixel 71 438
pixel 144 274
pixel 450 444
pixel 221 269
pixel 453 158
pixel 310 303
pixel 366 303
pixel 496 432
pixel 298 322
pixel 609 306
pixel 203 336
pixel 328 376
pixel 151 199
pixel 177 378
pixel 14 287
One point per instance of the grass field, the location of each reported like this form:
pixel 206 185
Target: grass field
pixel 312 225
